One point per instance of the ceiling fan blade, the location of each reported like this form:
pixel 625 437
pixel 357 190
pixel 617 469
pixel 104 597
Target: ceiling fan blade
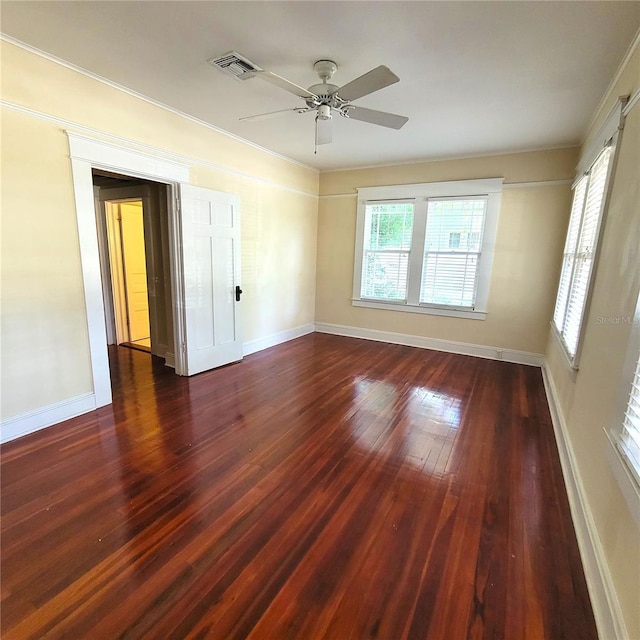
pixel 271 114
pixel 382 118
pixel 324 133
pixel 285 84
pixel 373 80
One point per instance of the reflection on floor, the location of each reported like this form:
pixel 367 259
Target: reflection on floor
pixel 327 488
pixel 144 344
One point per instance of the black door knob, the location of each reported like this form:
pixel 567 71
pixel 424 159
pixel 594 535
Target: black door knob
pixel 238 293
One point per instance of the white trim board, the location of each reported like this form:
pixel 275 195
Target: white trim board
pixel 140 96
pixel 253 346
pixel 109 138
pixel 47 416
pixel 463 348
pixel 52 414
pixel 505 185
pixel 469 156
pixel 606 608
pixel 87 153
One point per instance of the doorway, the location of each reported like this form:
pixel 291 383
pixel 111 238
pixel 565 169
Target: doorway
pixel 135 264
pixel 127 258
pixel 202 299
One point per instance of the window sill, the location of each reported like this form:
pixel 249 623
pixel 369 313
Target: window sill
pixel 624 476
pixel 410 308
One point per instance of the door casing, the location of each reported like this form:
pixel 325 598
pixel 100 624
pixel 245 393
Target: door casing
pixel 87 154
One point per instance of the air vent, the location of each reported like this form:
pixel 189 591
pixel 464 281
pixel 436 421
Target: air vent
pixel 235 65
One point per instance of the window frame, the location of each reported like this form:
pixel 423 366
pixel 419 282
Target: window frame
pixel 574 358
pixel 627 474
pixel 606 136
pixel 419 194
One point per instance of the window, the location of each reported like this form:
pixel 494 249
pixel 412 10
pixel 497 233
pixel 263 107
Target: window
pixel 630 436
pixel 579 250
pixel 387 244
pixel 454 240
pixel 588 212
pixel 449 270
pixel 624 436
pixel 426 248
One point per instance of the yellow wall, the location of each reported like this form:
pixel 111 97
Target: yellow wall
pixel 45 350
pixel 588 402
pixel 45 347
pixel 526 263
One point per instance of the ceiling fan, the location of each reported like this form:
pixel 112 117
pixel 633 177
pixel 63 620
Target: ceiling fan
pixel 324 98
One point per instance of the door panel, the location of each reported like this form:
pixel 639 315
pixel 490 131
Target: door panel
pixel 202 294
pixel 135 270
pixel 211 258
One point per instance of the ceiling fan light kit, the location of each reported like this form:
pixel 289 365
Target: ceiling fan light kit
pixel 324 112
pixel 324 98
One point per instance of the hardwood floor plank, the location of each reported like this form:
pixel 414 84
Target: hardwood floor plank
pixel 326 488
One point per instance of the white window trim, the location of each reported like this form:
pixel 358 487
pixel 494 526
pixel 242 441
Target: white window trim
pixel 608 134
pixel 419 194
pixel 623 470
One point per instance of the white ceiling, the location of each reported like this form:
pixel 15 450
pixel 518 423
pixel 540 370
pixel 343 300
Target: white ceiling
pixel 475 77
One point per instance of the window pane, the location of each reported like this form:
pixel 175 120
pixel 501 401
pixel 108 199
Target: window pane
pixel 449 279
pixel 389 226
pixel 584 247
pixel 452 251
pixel 631 425
pixel 569 253
pixel 384 275
pixel 387 242
pixel 575 304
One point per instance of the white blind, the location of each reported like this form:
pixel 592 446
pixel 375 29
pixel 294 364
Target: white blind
pixel 387 244
pixel 453 239
pixel 631 424
pixel 579 250
pixel 568 257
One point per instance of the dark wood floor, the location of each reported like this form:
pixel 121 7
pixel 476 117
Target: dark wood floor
pixel 326 488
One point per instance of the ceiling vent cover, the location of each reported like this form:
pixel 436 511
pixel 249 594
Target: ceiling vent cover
pixel 235 65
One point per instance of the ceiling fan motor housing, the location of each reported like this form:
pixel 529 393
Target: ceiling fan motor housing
pixel 324 90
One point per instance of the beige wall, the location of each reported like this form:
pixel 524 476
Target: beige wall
pixel 526 263
pixel 45 351
pixel 45 347
pixel 588 402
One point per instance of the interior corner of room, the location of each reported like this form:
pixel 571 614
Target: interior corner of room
pixel 127 221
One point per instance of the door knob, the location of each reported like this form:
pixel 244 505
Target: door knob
pixel 238 293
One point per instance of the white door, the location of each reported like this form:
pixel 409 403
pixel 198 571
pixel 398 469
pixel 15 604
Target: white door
pixel 135 270
pixel 211 278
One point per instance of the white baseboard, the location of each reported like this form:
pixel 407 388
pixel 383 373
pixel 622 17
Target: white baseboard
pixel 43 417
pixel 464 348
pixel 276 338
pixel 159 350
pixel 604 600
pixel 170 359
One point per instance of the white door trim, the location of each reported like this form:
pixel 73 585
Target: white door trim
pixel 87 154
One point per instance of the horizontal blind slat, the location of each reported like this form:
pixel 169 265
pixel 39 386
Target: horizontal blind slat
pixel 387 243
pixel 631 422
pixel 453 239
pixel 581 239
